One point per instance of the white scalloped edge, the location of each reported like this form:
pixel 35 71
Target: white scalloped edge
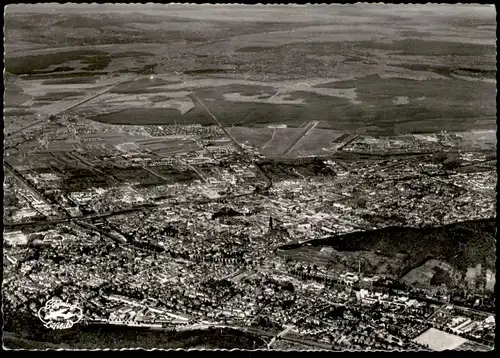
pixel 235 349
pixel 259 4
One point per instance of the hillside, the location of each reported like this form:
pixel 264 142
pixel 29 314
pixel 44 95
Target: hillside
pixel 461 245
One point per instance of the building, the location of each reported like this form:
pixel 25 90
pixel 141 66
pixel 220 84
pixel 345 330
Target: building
pixel 15 238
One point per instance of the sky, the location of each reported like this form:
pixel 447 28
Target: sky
pixel 295 13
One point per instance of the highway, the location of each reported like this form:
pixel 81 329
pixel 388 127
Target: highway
pixel 235 142
pixel 297 140
pixel 9 135
pixel 85 100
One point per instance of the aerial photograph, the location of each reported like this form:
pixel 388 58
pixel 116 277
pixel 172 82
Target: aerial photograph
pixel 249 177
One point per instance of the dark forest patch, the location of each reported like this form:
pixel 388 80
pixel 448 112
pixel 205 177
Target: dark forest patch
pixel 31 64
pixel 58 96
pixel 68 81
pixel 461 245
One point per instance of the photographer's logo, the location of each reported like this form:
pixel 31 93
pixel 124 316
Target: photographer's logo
pixel 57 314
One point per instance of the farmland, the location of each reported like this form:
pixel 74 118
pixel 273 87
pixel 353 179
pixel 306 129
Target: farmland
pixel 400 80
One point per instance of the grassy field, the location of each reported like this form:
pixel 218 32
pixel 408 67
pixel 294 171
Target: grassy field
pixel 12 98
pixel 439 341
pixel 92 60
pixel 71 81
pixel 145 178
pixel 431 105
pixel 315 141
pixel 141 85
pixel 283 169
pixel 13 94
pixel 168 146
pixel 18 113
pixel 256 137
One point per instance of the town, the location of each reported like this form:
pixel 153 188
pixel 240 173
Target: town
pixel 272 177
pixel 206 250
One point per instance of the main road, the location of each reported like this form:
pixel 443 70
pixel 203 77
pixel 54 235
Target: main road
pixel 85 100
pixel 116 212
pixel 33 189
pixel 235 142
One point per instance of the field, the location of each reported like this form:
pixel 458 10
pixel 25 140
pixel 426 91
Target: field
pixel 317 142
pixel 439 340
pixel 432 273
pixel 144 178
pixel 14 95
pixel 281 169
pixel 273 142
pixel 376 72
pixel 161 146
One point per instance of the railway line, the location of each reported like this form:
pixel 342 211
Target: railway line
pixel 34 190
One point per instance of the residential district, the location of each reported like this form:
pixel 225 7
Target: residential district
pixel 193 234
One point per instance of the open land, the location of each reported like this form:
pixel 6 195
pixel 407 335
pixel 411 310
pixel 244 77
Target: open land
pixel 281 177
pixel 397 81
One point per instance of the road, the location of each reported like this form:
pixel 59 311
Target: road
pixel 202 177
pixel 256 331
pixel 297 140
pixel 9 135
pixel 110 213
pixel 349 140
pixel 84 217
pixel 318 345
pixel 328 307
pixel 279 335
pixel 155 173
pixel 433 300
pixel 34 190
pixel 435 313
pixel 85 100
pixel 235 142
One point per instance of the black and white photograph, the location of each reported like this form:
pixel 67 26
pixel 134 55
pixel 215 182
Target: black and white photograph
pixel 249 177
